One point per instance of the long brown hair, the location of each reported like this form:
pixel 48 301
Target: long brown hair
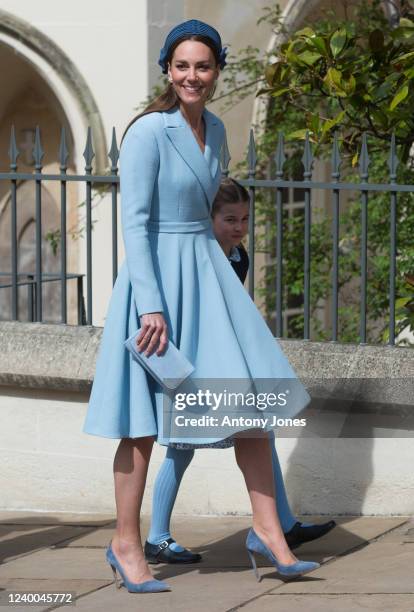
pixel 168 99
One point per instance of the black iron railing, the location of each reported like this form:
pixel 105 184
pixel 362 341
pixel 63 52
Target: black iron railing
pixel 28 280
pixel 38 177
pixel 277 184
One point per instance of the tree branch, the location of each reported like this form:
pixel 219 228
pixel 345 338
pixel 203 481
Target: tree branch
pixel 237 89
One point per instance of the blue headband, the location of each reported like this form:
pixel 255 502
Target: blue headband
pixel 193 27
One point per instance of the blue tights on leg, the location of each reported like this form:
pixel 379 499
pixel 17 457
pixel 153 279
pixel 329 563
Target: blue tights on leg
pixel 286 518
pixel 168 482
pixel 166 488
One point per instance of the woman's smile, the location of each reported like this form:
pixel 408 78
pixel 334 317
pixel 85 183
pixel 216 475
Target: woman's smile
pixel 193 89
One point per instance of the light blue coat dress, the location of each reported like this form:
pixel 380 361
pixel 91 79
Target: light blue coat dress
pixel 175 265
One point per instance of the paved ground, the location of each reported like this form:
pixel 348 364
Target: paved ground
pixel 367 564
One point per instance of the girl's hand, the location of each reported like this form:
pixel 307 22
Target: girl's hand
pixel 153 333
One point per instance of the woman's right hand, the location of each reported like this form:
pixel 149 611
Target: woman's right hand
pixel 153 334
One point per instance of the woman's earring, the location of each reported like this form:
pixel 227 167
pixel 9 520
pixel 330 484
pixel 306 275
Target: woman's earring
pixel 169 78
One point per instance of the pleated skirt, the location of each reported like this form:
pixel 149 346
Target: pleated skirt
pixel 211 319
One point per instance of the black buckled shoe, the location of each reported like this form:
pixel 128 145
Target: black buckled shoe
pixel 162 553
pixel 299 534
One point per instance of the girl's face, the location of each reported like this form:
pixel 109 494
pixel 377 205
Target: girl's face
pixel 231 223
pixel 193 71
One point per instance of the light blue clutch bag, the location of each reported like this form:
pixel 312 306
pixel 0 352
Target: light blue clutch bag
pixel 169 369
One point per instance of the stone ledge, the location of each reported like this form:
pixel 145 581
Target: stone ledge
pixel 383 375
pixel 63 357
pixel 41 356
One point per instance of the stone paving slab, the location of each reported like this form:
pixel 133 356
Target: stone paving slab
pixel 378 568
pixel 195 591
pixel 350 533
pixel 18 540
pixel 59 564
pixel 404 534
pixel 218 538
pixel 360 577
pixel 281 602
pixel 193 532
pixel 54 518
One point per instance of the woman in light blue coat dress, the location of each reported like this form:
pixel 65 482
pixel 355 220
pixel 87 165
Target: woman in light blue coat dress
pixel 176 284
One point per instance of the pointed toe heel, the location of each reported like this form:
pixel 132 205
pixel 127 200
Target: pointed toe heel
pixel 149 586
pixel 255 545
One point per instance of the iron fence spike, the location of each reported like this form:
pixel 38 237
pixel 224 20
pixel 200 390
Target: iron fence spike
pixel 280 157
pixel 251 153
pixel 307 158
pixel 13 150
pixel 364 160
pixel 393 160
pixel 63 150
pixel 88 153
pixel 38 152
pixel 336 158
pixel 225 156
pixel 114 152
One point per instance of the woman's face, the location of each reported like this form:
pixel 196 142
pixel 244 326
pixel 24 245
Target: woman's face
pixel 231 223
pixel 193 71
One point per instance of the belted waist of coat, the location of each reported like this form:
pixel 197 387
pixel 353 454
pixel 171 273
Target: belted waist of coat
pixel 179 227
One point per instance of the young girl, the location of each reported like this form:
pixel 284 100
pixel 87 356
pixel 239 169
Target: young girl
pixel 230 213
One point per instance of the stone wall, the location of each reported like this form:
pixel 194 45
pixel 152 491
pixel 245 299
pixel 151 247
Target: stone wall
pixel 49 464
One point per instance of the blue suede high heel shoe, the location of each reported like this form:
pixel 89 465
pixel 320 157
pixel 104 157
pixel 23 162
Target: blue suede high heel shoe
pixel 149 586
pixel 255 545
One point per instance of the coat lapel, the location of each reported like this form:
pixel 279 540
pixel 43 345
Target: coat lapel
pixel 214 138
pixel 204 165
